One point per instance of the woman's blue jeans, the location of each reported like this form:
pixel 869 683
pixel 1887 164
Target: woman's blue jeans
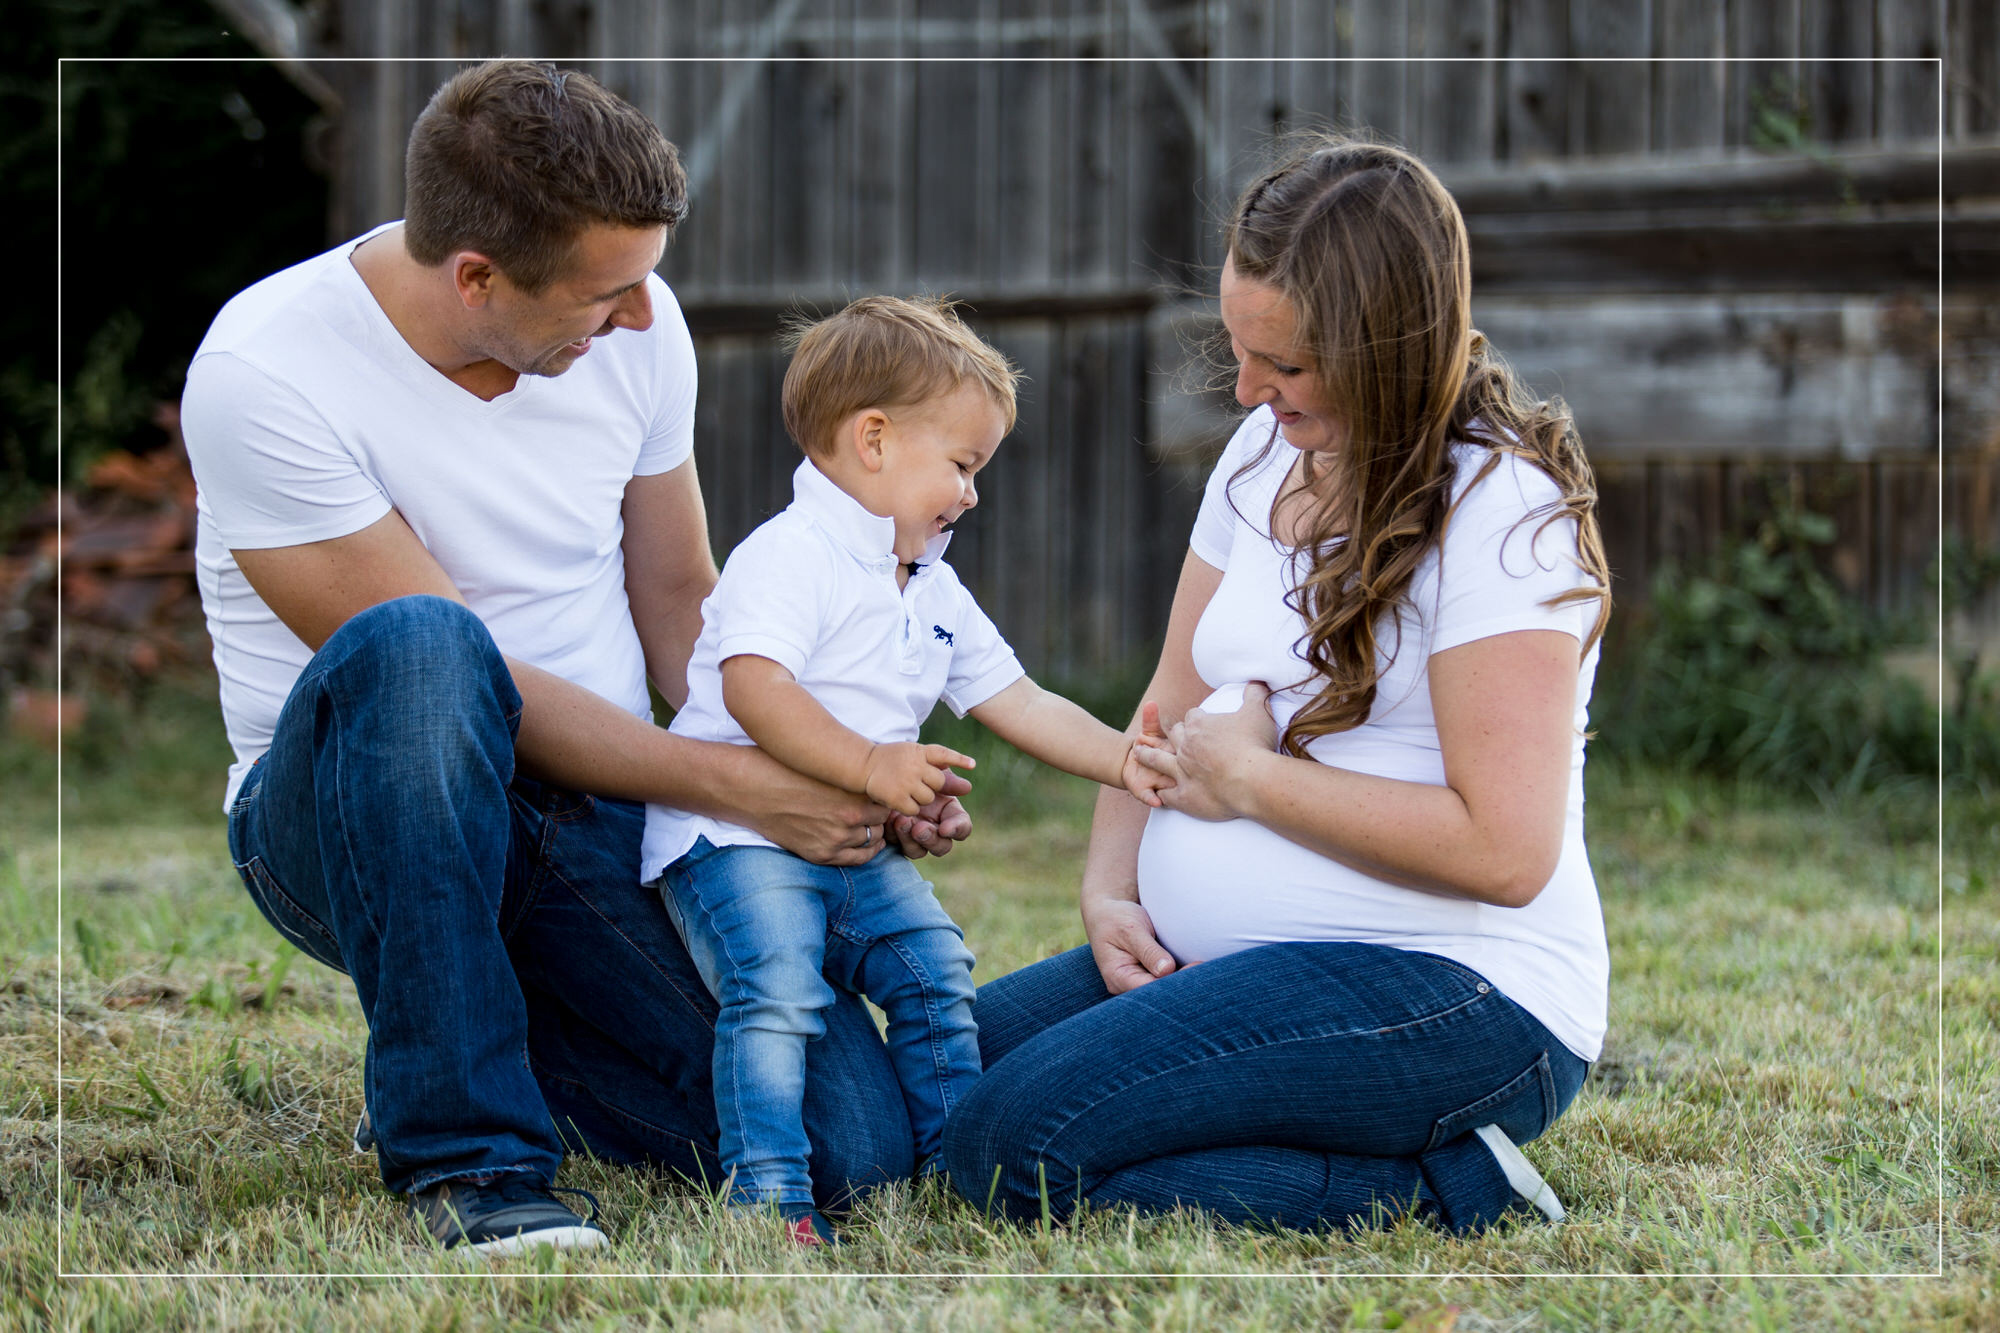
pixel 524 993
pixel 1298 1085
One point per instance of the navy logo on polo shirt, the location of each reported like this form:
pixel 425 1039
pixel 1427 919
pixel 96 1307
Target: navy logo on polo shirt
pixel 941 632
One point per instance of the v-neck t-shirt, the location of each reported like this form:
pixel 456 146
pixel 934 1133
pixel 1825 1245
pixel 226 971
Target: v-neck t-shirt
pixel 309 417
pixel 1213 888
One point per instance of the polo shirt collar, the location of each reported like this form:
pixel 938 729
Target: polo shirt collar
pixel 870 538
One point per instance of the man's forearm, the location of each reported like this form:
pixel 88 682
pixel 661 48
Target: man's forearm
pixel 574 738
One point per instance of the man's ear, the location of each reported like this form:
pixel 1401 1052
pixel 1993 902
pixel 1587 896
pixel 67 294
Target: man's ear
pixel 867 434
pixel 473 275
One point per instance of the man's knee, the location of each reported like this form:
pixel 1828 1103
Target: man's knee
pixel 419 646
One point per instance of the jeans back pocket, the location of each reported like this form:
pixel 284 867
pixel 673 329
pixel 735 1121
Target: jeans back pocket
pixel 1523 1107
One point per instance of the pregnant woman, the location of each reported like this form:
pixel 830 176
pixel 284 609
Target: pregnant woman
pixel 1375 678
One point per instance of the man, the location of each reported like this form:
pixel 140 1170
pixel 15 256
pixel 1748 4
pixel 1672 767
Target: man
pixel 449 525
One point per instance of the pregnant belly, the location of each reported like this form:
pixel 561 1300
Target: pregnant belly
pixel 1213 889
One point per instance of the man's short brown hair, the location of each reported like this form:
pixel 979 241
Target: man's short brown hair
pixel 884 351
pixel 515 158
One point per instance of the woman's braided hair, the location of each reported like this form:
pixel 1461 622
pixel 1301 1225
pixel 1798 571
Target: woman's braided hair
pixel 1370 251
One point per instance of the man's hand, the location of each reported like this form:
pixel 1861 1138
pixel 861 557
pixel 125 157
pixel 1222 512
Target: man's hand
pixel 907 776
pixel 936 828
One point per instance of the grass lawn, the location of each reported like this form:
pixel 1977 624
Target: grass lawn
pixel 1759 1148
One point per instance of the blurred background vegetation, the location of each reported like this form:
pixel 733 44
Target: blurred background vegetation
pixel 174 193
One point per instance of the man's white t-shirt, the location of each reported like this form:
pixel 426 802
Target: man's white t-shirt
pixel 1214 888
pixel 308 417
pixel 814 590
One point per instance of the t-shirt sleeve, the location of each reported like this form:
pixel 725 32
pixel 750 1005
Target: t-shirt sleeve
pixel 670 435
pixel 771 599
pixel 1215 522
pixel 271 471
pixel 982 663
pixel 1504 558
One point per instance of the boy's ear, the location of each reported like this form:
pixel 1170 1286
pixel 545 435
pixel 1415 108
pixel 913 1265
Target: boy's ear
pixel 867 432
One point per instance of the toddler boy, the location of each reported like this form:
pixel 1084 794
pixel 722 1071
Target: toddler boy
pixel 834 630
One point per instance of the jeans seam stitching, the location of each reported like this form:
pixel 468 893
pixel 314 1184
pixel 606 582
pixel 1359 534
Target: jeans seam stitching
pixel 630 943
pixel 256 869
pixel 1204 1057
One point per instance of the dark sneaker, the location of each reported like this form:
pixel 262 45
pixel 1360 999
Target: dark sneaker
pixel 1520 1172
pixel 508 1216
pixel 364 1134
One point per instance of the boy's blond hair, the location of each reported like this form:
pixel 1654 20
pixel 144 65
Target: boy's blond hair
pixel 884 351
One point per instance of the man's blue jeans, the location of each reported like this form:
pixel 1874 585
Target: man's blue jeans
pixel 768 932
pixel 524 992
pixel 1298 1085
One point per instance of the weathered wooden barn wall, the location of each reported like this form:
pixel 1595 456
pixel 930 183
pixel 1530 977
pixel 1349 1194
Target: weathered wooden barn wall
pixel 1729 265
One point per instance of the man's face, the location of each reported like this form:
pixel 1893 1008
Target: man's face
pixel 604 289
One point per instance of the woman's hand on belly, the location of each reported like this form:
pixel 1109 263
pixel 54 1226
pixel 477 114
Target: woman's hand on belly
pixel 1207 753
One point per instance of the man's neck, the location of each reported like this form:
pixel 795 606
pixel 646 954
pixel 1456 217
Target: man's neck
pixel 419 304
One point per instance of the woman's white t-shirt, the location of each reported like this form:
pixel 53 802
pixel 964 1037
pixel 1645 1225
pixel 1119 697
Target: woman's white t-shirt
pixel 1213 888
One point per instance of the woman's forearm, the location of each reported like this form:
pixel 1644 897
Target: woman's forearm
pixel 1410 833
pixel 1111 865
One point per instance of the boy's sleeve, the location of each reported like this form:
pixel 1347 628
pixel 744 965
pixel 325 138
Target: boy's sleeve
pixel 982 663
pixel 272 472
pixel 771 598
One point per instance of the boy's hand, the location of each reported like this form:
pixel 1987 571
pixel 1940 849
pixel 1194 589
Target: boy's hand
pixel 907 776
pixel 1145 783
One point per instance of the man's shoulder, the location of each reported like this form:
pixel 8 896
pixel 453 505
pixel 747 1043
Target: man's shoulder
pixel 276 314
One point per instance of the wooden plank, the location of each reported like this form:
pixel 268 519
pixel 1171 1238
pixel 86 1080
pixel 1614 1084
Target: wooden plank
pixel 1685 511
pixel 1088 248
pixel 1689 94
pixel 1622 507
pixel 1971 374
pixel 1317 83
pixel 1720 376
pixel 1760 182
pixel 1767 33
pixel 1381 82
pixel 1534 121
pixel 1170 235
pixel 1243 98
pixel 883 166
pixel 1815 254
pixel 1610 99
pixel 1906 94
pixel 1457 107
pixel 1839 88
pixel 1024 237
pixel 809 102
pixel 1973 72
pixel 944 203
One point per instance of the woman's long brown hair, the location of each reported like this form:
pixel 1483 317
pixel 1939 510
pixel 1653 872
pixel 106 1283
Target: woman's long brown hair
pixel 1370 251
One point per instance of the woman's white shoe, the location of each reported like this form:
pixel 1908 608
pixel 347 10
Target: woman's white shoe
pixel 1520 1172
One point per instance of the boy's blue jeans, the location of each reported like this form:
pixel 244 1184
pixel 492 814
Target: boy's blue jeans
pixel 774 936
pixel 524 992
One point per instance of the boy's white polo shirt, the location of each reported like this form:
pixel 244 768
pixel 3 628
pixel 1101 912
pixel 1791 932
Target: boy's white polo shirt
pixel 814 589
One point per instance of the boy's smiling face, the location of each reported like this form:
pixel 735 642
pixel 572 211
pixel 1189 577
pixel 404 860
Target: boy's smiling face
pixel 930 452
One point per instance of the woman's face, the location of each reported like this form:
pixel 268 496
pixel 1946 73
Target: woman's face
pixel 1271 366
